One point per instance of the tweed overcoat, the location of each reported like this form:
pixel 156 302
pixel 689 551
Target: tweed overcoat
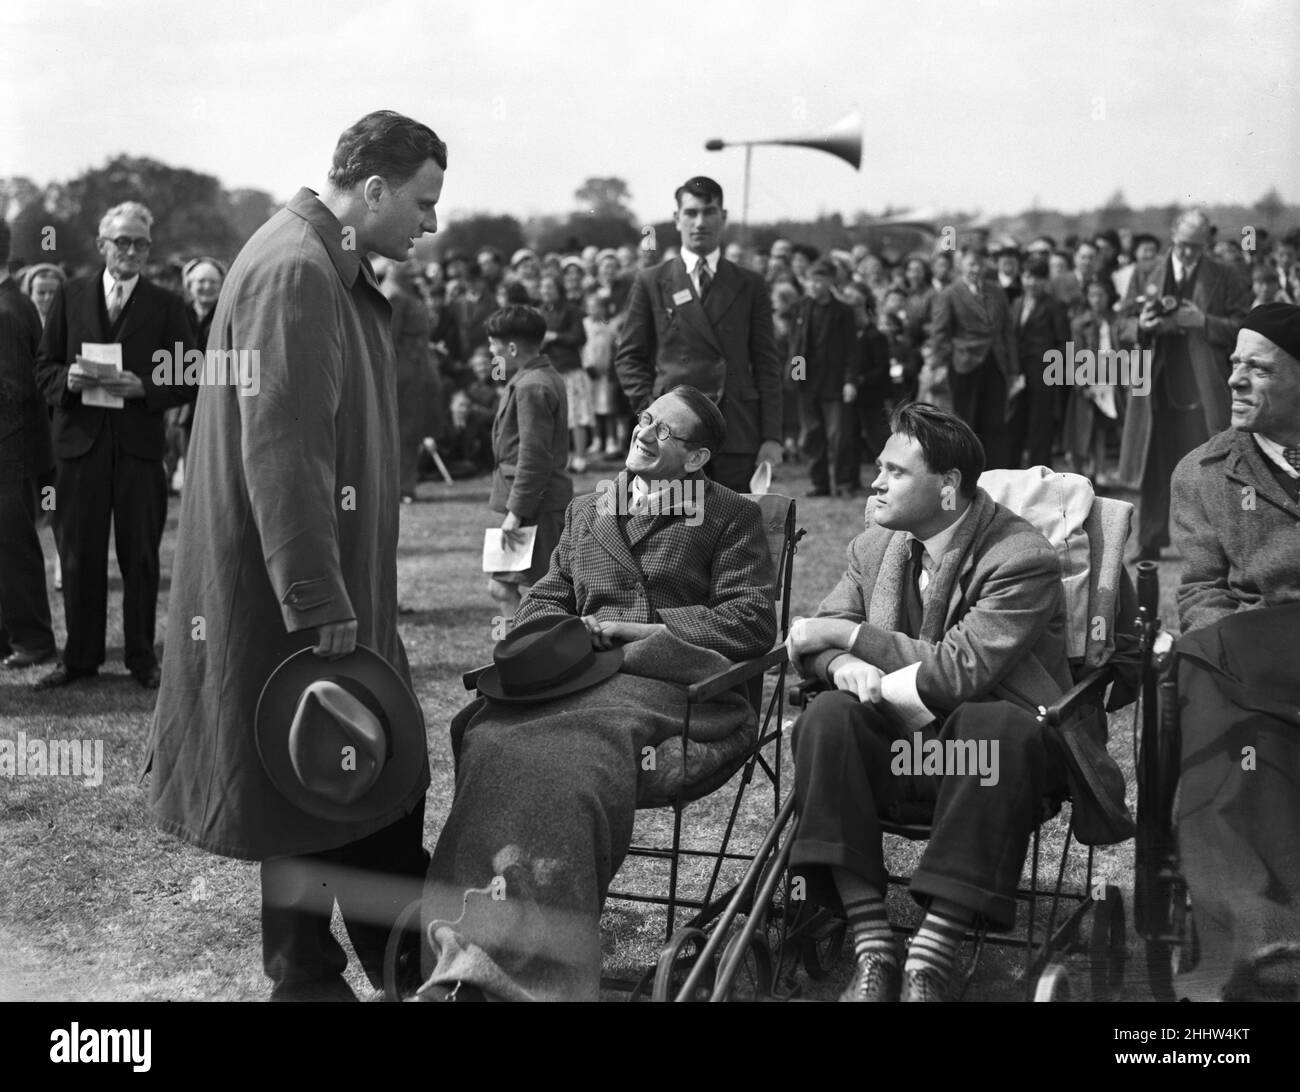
pixel 289 520
pixel 1237 531
pixel 707 575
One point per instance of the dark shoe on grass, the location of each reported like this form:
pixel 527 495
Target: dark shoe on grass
pixel 148 677
pixel 61 676
pixel 28 659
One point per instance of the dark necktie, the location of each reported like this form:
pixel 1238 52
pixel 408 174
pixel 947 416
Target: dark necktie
pixel 1292 455
pixel 913 609
pixel 705 278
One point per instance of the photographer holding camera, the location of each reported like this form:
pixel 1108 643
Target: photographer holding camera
pixel 1186 308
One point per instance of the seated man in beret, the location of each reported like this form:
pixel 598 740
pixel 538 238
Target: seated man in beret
pixel 941 638
pixel 672 569
pixel 1236 515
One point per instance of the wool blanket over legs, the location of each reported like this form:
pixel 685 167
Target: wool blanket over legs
pixel 546 796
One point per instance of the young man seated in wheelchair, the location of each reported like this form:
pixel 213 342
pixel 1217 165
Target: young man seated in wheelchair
pixel 1236 513
pixel 671 576
pixel 941 638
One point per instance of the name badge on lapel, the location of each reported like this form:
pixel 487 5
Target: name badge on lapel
pixel 684 296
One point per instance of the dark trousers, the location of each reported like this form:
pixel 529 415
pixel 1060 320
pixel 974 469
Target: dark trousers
pixel 979 398
pixel 410 431
pixel 732 470
pixel 1034 422
pixel 822 420
pixel 24 604
pixel 107 485
pixel 980 832
pixel 873 425
pixel 372 880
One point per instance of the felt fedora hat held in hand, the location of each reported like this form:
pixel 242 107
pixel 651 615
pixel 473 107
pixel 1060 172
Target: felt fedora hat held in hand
pixel 341 739
pixel 546 658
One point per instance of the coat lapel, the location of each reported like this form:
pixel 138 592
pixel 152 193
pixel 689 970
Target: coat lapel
pixel 91 314
pixel 605 528
pixel 137 309
pixel 943 598
pixel 1245 466
pixel 691 312
pixel 722 292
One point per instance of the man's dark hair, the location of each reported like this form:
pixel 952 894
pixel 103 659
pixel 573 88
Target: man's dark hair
pixel 1037 267
pixel 946 441
pixel 809 252
pixel 517 322
pixel 825 268
pixel 1145 237
pixel 517 294
pixel 712 430
pixel 387 144
pixel 700 186
pixel 6 240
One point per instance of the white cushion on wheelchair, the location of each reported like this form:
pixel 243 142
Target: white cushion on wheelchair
pixel 1057 505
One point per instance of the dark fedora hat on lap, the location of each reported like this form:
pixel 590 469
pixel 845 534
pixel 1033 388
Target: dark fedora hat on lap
pixel 341 739
pixel 546 658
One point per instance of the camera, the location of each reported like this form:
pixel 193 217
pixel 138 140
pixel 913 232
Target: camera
pixel 1160 305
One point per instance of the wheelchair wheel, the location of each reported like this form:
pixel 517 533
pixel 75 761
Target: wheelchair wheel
pixel 1107 947
pixel 823 944
pixel 676 961
pixel 753 979
pixel 1053 984
pixel 396 969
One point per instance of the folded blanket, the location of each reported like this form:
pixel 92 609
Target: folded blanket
pixel 546 797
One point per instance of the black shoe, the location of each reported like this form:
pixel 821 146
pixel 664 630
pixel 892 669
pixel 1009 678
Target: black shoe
pixel 820 491
pixel 61 676
pixel 28 659
pixel 148 677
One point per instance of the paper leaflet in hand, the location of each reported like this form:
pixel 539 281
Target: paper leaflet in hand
pixel 102 361
pixel 500 558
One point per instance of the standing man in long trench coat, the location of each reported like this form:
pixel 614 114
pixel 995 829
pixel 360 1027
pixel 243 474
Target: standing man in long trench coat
pixel 288 540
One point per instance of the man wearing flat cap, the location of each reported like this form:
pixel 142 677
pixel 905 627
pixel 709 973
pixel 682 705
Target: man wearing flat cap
pixel 1236 515
pixel 288 546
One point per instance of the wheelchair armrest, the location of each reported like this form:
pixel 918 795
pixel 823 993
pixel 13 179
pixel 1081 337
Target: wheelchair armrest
pixel 725 680
pixel 1094 683
pixel 804 689
pixel 470 678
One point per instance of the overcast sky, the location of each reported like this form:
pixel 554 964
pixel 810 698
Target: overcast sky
pixel 970 104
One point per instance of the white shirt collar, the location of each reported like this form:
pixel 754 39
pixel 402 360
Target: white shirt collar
pixel 1273 450
pixel 937 545
pixel 128 285
pixel 692 259
pixel 1182 272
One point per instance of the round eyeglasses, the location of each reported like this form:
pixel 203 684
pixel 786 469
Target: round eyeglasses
pixel 662 431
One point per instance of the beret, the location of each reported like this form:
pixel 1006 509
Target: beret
pixel 1280 323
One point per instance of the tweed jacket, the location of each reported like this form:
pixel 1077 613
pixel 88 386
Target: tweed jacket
pixel 725 346
pixel 966 327
pixel 1237 531
pixel 701 568
pixel 530 439
pixel 994 613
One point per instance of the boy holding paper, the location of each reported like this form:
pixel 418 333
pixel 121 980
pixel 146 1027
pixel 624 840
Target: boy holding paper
pixel 530 442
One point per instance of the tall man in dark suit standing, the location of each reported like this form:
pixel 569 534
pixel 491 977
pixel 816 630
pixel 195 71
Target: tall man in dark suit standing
pixel 1189 400
pixel 974 340
pixel 1041 326
pixel 111 460
pixel 701 320
pixel 25 635
pixel 823 348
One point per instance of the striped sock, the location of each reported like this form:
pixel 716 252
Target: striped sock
pixel 870 927
pixel 934 947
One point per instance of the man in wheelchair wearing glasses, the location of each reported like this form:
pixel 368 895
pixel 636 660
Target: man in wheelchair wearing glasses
pixel 1236 513
pixel 941 638
pixel 671 575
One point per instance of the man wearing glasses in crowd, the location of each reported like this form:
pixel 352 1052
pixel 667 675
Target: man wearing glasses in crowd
pixel 111 456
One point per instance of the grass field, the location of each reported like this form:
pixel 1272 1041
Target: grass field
pixel 96 904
